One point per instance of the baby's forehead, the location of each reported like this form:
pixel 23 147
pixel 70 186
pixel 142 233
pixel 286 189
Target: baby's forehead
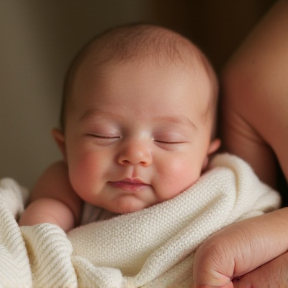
pixel 106 75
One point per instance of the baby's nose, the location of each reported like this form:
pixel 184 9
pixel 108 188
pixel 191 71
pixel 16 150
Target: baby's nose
pixel 134 153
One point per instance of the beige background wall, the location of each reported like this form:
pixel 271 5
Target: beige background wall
pixel 39 38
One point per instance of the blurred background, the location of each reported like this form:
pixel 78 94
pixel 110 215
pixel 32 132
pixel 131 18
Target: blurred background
pixel 38 39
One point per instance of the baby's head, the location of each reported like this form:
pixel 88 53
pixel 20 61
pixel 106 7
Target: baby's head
pixel 138 117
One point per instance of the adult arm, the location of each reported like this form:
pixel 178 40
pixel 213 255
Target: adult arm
pixel 255 97
pixel 254 127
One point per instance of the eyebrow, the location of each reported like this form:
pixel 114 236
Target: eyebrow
pixel 182 120
pixel 97 113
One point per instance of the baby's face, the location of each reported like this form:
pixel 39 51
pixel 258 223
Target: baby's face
pixel 137 135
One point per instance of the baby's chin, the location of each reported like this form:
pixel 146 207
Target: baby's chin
pixel 124 206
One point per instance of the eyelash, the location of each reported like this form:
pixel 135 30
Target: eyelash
pixel 166 142
pixel 104 137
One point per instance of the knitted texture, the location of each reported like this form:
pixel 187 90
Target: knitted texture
pixel 149 248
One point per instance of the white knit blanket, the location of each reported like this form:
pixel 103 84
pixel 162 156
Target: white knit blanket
pixel 150 248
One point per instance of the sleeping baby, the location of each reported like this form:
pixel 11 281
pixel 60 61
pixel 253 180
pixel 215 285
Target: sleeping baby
pixel 137 131
pixel 138 121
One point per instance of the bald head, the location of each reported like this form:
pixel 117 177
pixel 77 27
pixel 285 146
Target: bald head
pixel 142 44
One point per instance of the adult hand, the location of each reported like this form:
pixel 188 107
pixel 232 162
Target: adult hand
pixel 245 254
pixel 270 275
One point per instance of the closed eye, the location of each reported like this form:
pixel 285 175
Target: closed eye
pixel 103 136
pixel 168 142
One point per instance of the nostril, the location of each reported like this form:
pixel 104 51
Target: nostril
pixel 124 161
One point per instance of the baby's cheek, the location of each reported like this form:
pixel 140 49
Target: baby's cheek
pixel 178 176
pixel 186 169
pixel 82 172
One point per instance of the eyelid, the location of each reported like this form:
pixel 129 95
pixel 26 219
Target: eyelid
pixel 103 136
pixel 170 137
pixel 169 142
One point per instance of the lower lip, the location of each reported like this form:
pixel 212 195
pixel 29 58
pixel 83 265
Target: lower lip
pixel 129 186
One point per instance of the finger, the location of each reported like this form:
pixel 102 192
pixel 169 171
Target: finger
pixel 212 269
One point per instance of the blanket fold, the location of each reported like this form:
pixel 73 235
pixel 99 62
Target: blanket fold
pixel 149 248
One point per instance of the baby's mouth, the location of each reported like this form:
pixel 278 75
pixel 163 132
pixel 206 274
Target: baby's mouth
pixel 130 184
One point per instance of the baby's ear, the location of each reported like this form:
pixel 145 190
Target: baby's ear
pixel 60 140
pixel 214 146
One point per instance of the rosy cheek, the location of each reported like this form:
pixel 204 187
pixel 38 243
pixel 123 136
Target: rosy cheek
pixel 179 175
pixel 81 169
pixel 179 168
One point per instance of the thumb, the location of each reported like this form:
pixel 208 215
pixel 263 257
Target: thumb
pixel 213 266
